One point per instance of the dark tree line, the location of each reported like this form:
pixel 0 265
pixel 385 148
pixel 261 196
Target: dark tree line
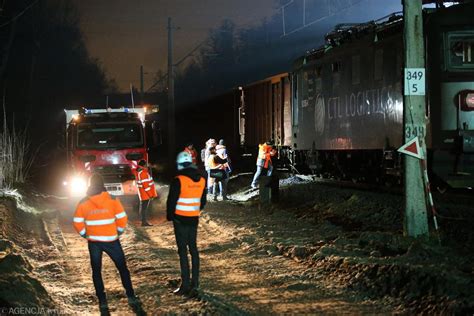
pixel 44 62
pixel 44 68
pixel 234 56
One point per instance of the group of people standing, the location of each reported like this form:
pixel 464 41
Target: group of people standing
pixel 217 165
pixel 101 219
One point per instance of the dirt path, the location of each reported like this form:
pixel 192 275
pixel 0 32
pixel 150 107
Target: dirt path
pixel 236 278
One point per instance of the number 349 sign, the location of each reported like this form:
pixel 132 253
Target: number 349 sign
pixel 414 81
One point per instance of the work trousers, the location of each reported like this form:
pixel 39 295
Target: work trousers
pixel 223 187
pixel 115 252
pixel 186 235
pixel 144 204
pixel 259 172
pixel 209 181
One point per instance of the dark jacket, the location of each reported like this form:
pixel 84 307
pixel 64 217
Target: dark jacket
pixel 173 195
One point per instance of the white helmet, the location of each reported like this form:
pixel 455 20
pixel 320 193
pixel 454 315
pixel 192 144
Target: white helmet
pixel 183 157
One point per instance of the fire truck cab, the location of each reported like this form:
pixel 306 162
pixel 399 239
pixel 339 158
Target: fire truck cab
pixel 110 142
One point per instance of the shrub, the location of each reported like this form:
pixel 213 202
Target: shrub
pixel 15 158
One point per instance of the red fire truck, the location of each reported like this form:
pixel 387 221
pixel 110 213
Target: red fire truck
pixel 109 142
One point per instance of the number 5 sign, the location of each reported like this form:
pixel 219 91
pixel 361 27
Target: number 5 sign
pixel 414 81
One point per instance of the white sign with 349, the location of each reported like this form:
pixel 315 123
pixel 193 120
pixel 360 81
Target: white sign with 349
pixel 414 81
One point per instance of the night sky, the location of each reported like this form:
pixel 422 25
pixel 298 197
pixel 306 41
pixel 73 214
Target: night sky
pixel 125 34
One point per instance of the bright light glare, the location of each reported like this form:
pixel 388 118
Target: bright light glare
pixel 78 186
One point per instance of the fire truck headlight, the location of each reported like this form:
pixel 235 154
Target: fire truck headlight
pixel 78 186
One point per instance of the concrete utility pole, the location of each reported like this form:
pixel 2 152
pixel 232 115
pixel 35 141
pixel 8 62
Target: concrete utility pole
pixel 141 85
pixel 416 221
pixel 171 110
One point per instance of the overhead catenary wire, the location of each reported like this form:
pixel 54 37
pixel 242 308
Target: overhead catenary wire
pixel 305 24
pixel 165 76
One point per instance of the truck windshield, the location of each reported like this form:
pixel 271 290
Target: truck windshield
pixel 109 135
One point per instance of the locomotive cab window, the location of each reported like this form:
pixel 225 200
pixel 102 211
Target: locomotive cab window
pixel 459 50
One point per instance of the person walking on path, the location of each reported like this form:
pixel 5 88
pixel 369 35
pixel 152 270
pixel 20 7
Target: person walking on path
pixel 100 218
pixel 264 161
pixel 186 199
pixel 146 190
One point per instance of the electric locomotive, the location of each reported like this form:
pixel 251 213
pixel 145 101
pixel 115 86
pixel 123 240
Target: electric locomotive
pixel 347 99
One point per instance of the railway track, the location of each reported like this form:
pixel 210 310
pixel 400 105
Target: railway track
pixel 445 193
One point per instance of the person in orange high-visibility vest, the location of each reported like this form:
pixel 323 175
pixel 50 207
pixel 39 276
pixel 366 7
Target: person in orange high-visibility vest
pixel 146 190
pixel 189 148
pixel 186 199
pixel 264 161
pixel 101 219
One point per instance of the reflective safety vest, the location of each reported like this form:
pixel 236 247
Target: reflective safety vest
pixel 146 185
pixel 100 218
pixel 264 155
pixel 189 201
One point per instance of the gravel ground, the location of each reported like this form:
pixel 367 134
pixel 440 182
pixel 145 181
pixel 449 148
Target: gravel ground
pixel 320 250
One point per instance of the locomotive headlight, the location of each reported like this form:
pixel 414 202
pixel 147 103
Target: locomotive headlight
pixel 470 100
pixel 78 186
pixel 465 100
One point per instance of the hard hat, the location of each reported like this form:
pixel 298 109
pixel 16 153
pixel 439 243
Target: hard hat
pixel 184 157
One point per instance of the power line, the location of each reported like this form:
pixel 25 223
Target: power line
pixel 191 52
pixel 160 80
pixel 165 76
pixel 19 14
pixel 305 25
